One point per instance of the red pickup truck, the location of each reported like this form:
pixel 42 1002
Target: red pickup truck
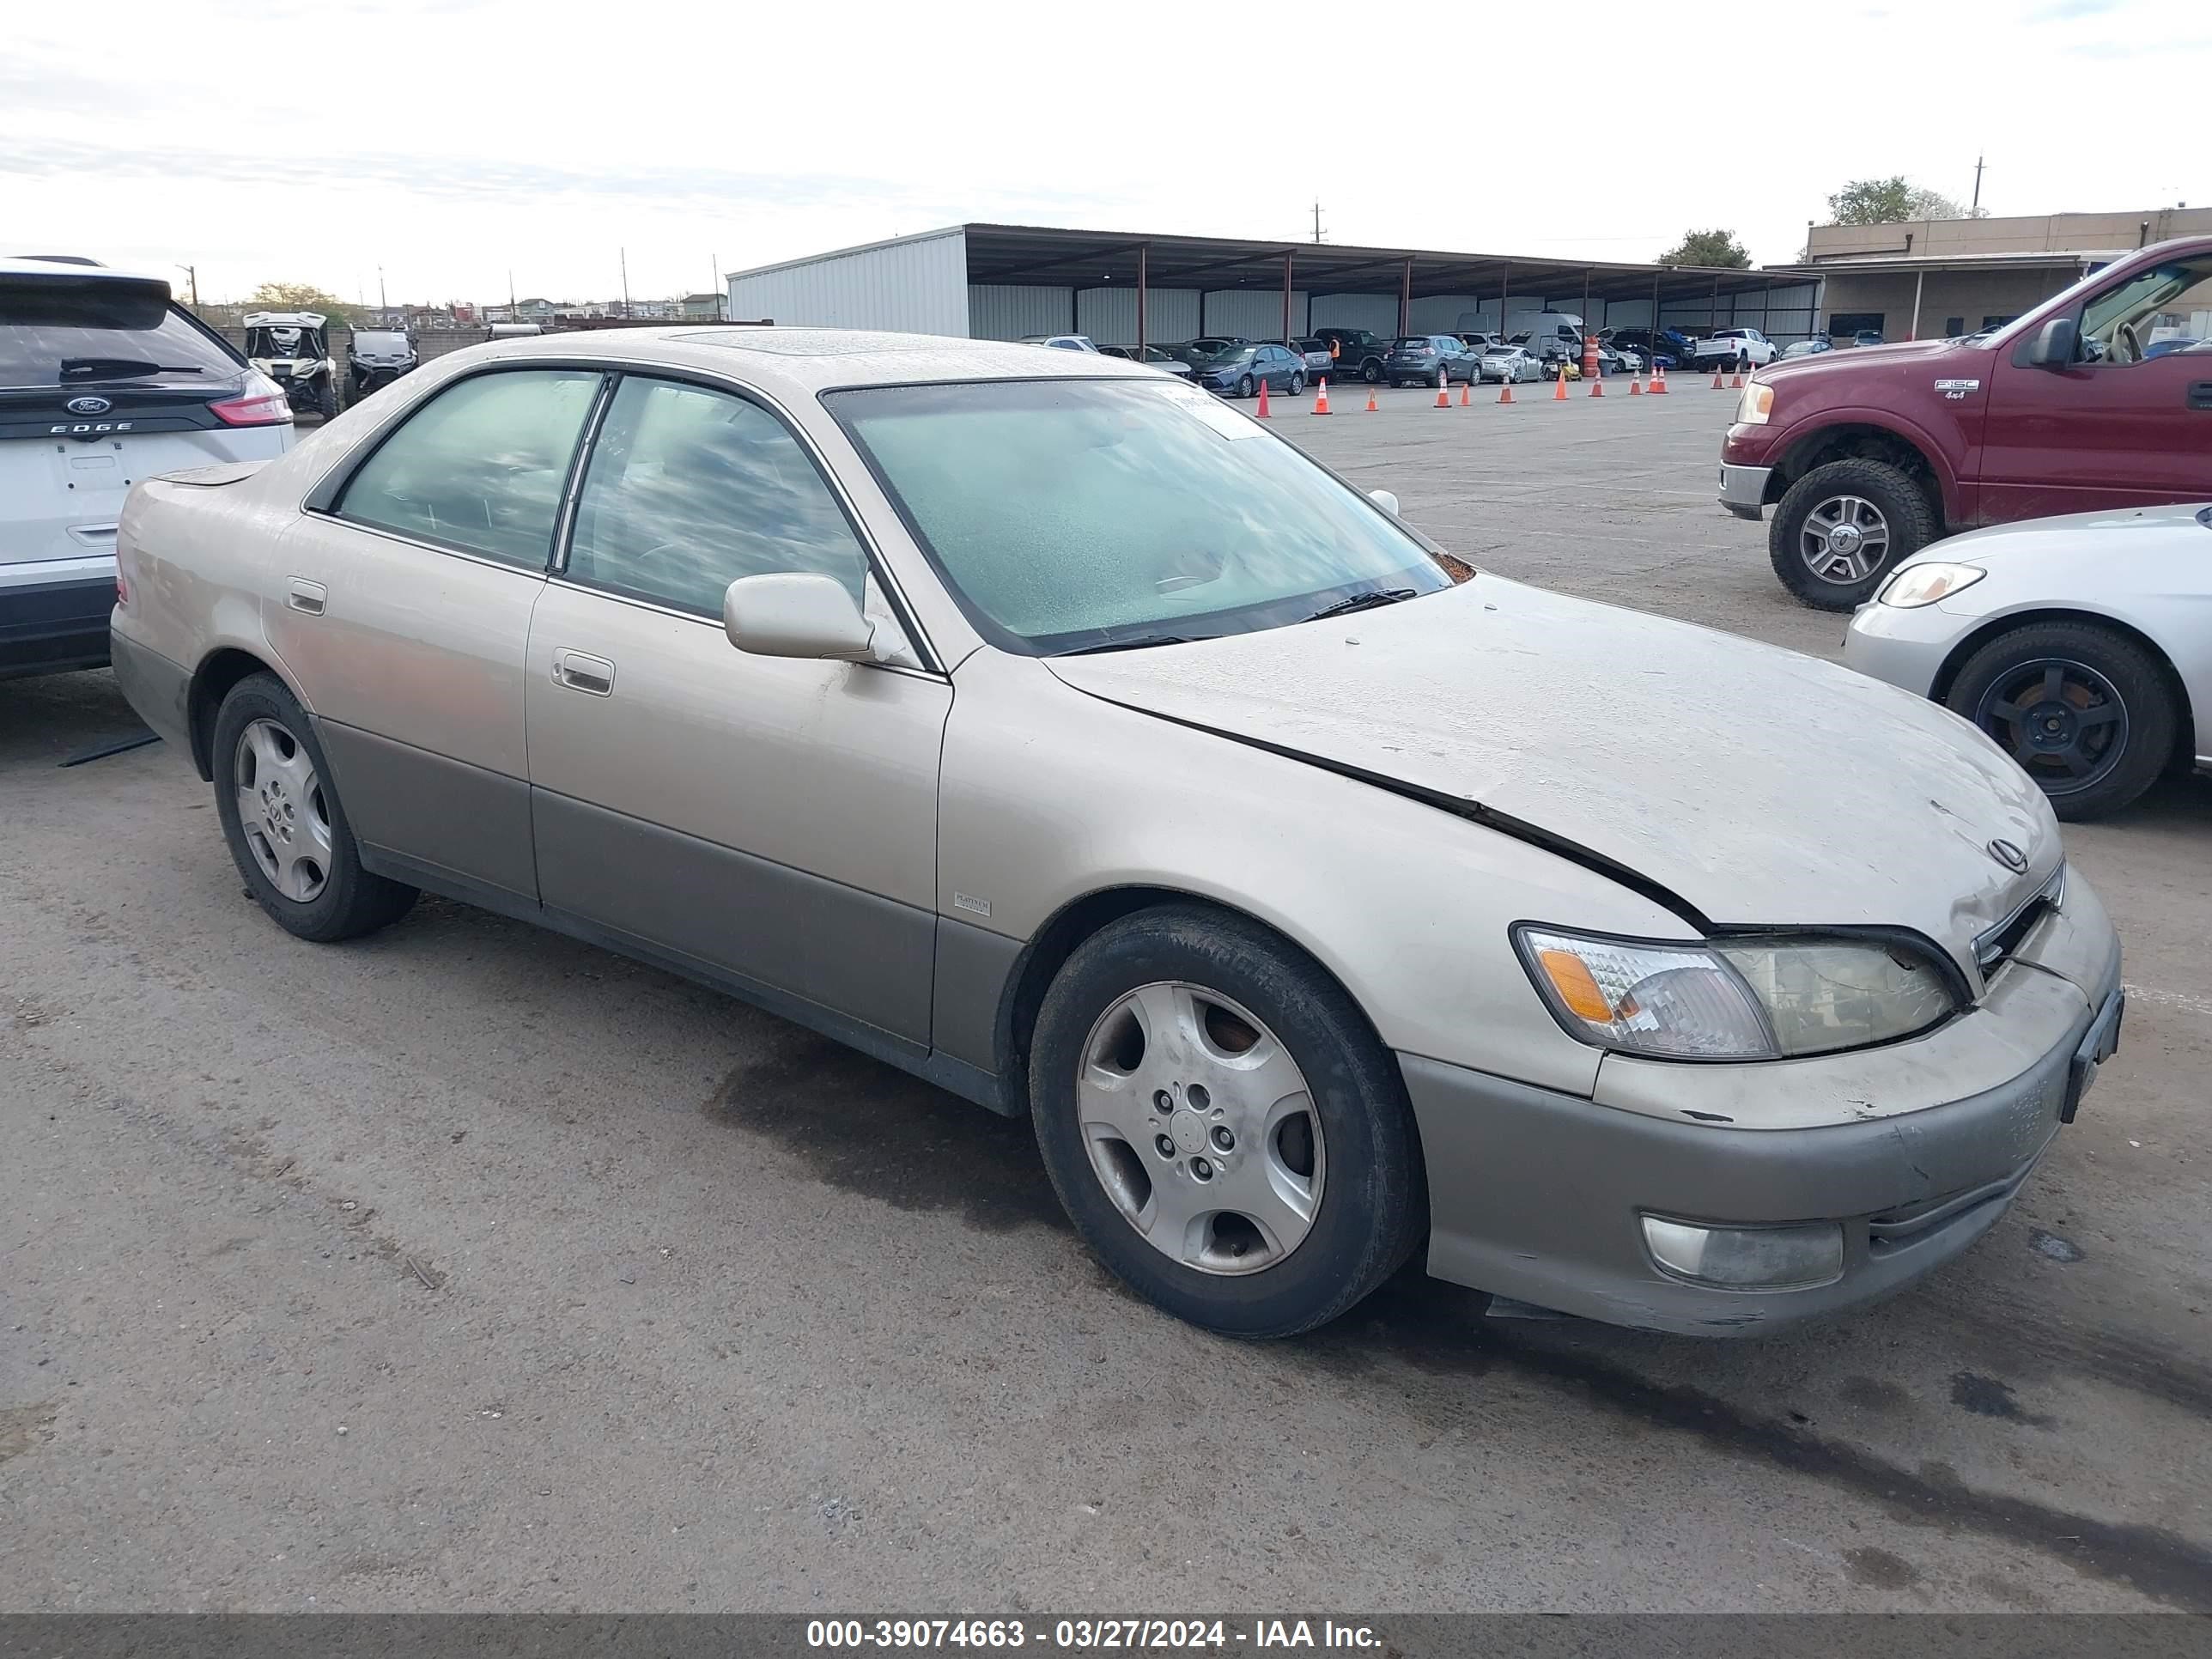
pixel 2098 398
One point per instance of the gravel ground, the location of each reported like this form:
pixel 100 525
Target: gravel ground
pixel 468 1267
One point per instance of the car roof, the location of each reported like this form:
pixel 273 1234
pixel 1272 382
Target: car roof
pixel 69 265
pixel 804 361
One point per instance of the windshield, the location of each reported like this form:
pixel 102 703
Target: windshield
pixel 1218 351
pixel 68 332
pixel 1069 514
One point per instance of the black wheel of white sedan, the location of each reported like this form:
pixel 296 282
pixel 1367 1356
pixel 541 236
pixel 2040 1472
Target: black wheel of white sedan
pixel 2083 708
pixel 281 814
pixel 1222 1125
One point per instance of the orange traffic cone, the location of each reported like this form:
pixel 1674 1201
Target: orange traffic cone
pixel 1635 386
pixel 1260 413
pixel 1466 392
pixel 1505 392
pixel 1372 406
pixel 1559 392
pixel 1658 379
pixel 1320 396
pixel 1597 386
pixel 1736 385
pixel 1443 393
pixel 1719 384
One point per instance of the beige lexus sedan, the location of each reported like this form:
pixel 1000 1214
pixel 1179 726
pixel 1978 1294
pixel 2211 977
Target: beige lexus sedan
pixel 1033 722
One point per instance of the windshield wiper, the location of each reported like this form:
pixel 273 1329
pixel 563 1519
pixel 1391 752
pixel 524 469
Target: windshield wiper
pixel 119 368
pixel 1366 601
pixel 1138 643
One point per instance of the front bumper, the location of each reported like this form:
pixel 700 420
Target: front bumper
pixel 1904 647
pixel 1540 1195
pixel 1743 489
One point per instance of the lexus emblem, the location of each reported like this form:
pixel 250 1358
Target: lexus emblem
pixel 2009 856
pixel 88 405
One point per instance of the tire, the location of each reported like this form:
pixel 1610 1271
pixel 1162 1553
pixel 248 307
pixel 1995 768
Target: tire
pixel 348 901
pixel 1298 384
pixel 1244 386
pixel 1364 1188
pixel 326 400
pixel 2074 673
pixel 1864 493
pixel 1371 371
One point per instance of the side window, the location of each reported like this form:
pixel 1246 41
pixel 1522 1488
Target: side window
pixel 688 490
pixel 480 466
pixel 2164 309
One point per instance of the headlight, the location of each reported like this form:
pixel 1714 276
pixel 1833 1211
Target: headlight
pixel 1917 585
pixel 1753 999
pixel 1756 403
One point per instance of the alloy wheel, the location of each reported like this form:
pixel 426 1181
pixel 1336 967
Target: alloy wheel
pixel 282 811
pixel 1200 1128
pixel 2065 722
pixel 1844 540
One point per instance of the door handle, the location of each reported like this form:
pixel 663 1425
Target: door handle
pixel 305 596
pixel 2200 395
pixel 594 676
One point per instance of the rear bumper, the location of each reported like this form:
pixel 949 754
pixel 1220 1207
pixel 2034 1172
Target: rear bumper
pixel 1743 489
pixel 53 625
pixel 1541 1196
pixel 157 689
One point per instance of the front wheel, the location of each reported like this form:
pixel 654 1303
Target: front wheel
pixel 281 816
pixel 2084 709
pixel 1843 527
pixel 1298 384
pixel 1244 386
pixel 1221 1124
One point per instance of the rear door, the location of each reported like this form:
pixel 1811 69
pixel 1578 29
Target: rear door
pixel 2128 424
pixel 104 382
pixel 402 612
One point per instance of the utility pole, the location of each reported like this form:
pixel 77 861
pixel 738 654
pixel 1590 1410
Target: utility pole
pixel 1975 211
pixel 624 253
pixel 383 305
pixel 192 275
pixel 1317 213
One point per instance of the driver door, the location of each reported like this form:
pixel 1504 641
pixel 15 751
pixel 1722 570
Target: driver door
pixel 769 821
pixel 2113 428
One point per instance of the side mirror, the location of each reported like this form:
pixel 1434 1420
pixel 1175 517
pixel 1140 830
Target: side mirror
pixel 797 614
pixel 1385 500
pixel 2054 344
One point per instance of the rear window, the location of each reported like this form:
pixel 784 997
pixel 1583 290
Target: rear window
pixel 65 331
pixel 1416 343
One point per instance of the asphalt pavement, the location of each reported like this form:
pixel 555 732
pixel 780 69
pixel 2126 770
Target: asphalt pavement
pixel 469 1266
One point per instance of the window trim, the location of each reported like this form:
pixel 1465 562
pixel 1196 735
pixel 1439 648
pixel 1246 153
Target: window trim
pixel 871 554
pixel 328 497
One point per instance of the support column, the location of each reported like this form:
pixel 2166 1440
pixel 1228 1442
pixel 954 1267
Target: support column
pixel 1287 258
pixel 1143 249
pixel 1405 298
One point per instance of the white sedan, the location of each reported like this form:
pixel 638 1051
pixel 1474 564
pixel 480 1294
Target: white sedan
pixel 2082 644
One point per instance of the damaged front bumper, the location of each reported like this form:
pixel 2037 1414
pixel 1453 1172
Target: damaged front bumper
pixel 1905 1155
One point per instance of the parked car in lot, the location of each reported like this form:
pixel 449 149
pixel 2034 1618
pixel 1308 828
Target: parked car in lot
pixel 292 347
pixel 1431 360
pixel 1061 341
pixel 1154 357
pixel 1669 347
pixel 1808 348
pixel 1866 456
pixel 1357 351
pixel 1315 353
pixel 1867 337
pixel 2078 644
pixel 1509 363
pixel 104 381
pixel 1241 370
pixel 1732 348
pixel 1528 1005
pixel 378 356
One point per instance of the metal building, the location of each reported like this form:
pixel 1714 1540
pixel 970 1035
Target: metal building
pixel 1002 282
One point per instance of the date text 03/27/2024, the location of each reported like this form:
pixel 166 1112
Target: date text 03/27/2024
pixel 1126 1634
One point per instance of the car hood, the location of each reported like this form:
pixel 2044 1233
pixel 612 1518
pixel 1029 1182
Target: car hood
pixel 1842 358
pixel 2121 532
pixel 1756 787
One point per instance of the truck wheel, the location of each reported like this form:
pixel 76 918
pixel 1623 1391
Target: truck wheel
pixel 326 400
pixel 1371 370
pixel 2084 710
pixel 1843 527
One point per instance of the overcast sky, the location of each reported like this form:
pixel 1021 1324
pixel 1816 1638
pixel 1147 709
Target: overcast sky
pixel 451 142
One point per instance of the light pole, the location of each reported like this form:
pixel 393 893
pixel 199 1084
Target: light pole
pixel 192 274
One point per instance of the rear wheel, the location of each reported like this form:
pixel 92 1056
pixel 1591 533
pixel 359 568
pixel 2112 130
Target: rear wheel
pixel 1222 1125
pixel 1843 527
pixel 1297 383
pixel 2085 710
pixel 281 816
pixel 1371 371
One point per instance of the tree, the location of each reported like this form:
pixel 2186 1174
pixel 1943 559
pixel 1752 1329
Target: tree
pixel 1714 249
pixel 1889 201
pixel 298 296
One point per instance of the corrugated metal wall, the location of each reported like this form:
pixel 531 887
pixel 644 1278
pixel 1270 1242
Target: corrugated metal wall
pixel 1004 313
pixel 1108 315
pixel 919 285
pixel 1375 313
pixel 1243 314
